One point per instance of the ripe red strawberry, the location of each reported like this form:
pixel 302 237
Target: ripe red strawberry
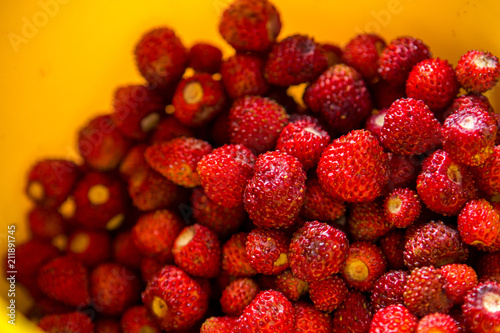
pixel 249 25
pixel 137 319
pixel 404 170
pixel 395 318
pixel 317 250
pixel 365 263
pixel 234 256
pixel 149 268
pixel 50 181
pixel 294 60
pixel 478 71
pixel 168 128
pixel 160 56
pixel 270 311
pixel 136 110
pixel 399 57
pixel 304 138
pixel 432 81
pixel 177 159
pixel 329 293
pixel 174 299
pixel 487 175
pixel 388 289
pixel 481 310
pixel 72 322
pixel 437 322
pixel 341 97
pixel 237 295
pixel 362 52
pixel 290 285
pixel 375 122
pixel 410 128
pixel 124 251
pixel 444 185
pixel 354 315
pixel 224 324
pixel 488 267
pixel 334 53
pixel 256 123
pixel 198 99
pixel 205 58
pixel 367 221
pixel 310 320
pixel 392 245
pixel 275 194
pixel 45 223
pixel 434 243
pixel 402 207
pixel 89 247
pixel 197 251
pixel 478 223
pixel 424 292
pixel 319 206
pixel 243 74
pixel 267 251
pixel 65 280
pixel 114 288
pixel 155 233
pixel 469 135
pixel 224 174
pixel 354 167
pixel 460 278
pixel 222 220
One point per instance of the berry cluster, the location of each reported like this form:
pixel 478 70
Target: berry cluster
pixel 209 200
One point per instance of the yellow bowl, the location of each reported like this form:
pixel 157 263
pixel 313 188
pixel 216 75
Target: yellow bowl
pixel 61 61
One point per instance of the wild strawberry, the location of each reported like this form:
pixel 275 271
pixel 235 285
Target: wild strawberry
pixel 402 207
pixel 234 257
pixel 329 293
pixel 243 74
pixel 367 221
pixel 294 60
pixel 310 320
pixel 237 295
pixel 198 99
pixel 398 58
pixel 149 268
pixel 354 167
pixel 256 123
pixel 363 52
pixel 478 223
pixel 437 322
pixel 410 128
pixel 72 322
pixel 197 250
pixel 224 324
pixel 375 122
pixel 319 206
pixel 174 299
pixel 65 280
pixel 365 263
pixel 404 170
pixel 45 223
pixel 219 131
pixel 275 194
pixel 444 185
pixel 177 159
pixel 470 100
pixel 317 250
pixel 392 245
pixel 488 267
pixel 424 292
pixel 137 319
pixel 136 110
pixel 395 318
pixel 155 233
pixel 108 325
pixel 225 172
pixel 478 71
pixel 270 311
pixel 51 181
pixel 388 289
pixel 341 97
pixel 434 243
pixel 249 25
pixel 89 247
pixel 459 279
pixel 124 251
pixel 160 56
pixel 169 128
pixel 267 251
pixel 487 175
pixel 305 139
pixel 291 286
pixel 205 58
pixel 480 308
pixel 469 135
pixel 222 220
pixel 432 81
pixel 353 315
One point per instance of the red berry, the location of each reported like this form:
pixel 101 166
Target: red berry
pixel 169 128
pixel 388 289
pixel 234 256
pixel 478 223
pixel 267 251
pixel 367 221
pixel 392 245
pixel 72 322
pixel 310 320
pixel 291 286
pixel 205 58
pixel 237 295
pixel 218 325
pixel 402 207
pixel 89 247
pixel 394 319
pixel 137 319
pixel 328 294
pixel 460 278
pixel 243 74
pixel 478 71
pixel 319 206
pixel 487 175
pixel 45 223
pixel 365 263
pixel 124 251
pixel 437 322
pixel 363 52
pixel 354 315
pixel 481 308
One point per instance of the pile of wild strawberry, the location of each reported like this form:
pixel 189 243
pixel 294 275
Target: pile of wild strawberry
pixel 370 208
